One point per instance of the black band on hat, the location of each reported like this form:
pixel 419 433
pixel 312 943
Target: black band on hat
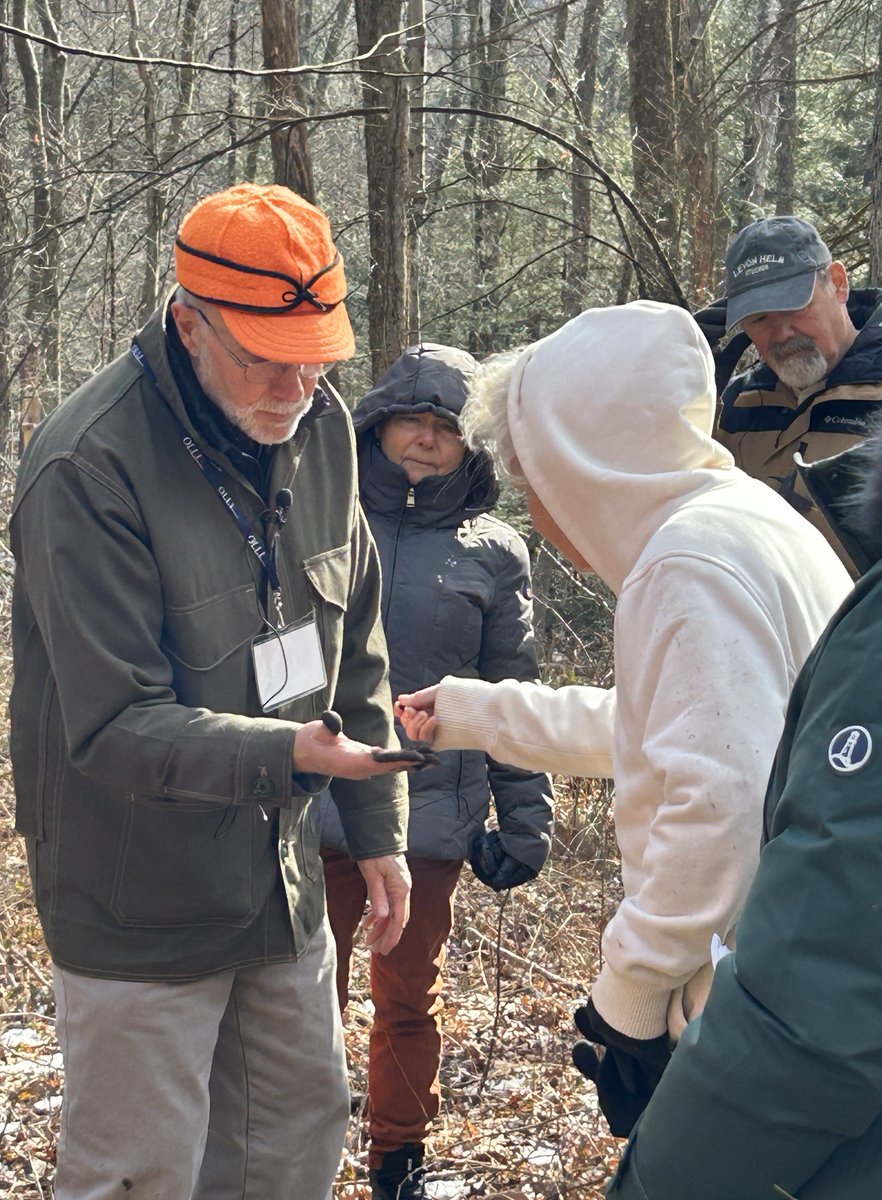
pixel 302 293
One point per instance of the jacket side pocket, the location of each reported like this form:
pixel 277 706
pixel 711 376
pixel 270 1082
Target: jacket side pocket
pixel 184 863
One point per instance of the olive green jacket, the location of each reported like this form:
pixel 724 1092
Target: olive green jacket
pixel 158 802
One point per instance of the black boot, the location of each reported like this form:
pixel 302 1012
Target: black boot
pixel 401 1175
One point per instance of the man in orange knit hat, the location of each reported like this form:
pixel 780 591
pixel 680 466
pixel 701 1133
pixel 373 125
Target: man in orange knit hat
pixel 195 586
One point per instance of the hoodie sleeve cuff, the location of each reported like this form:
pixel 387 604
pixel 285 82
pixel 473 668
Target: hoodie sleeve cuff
pixel 637 1011
pixel 466 714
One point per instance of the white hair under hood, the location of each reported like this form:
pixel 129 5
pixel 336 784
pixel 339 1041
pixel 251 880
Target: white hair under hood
pixel 609 420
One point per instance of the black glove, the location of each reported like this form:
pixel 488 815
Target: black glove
pixel 494 867
pixel 626 1074
pixel 712 323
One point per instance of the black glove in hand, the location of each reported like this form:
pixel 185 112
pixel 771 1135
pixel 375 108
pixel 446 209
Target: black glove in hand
pixel 626 1074
pixel 494 866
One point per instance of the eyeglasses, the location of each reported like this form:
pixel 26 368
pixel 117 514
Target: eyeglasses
pixel 265 371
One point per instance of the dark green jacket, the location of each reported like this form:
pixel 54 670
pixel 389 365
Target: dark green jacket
pixel 777 1089
pixel 150 788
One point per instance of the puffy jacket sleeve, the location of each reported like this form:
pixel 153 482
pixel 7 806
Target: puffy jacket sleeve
pixel 779 1084
pixel 524 800
pixel 372 825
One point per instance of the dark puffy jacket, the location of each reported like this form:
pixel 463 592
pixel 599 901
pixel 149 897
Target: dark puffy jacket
pixel 456 601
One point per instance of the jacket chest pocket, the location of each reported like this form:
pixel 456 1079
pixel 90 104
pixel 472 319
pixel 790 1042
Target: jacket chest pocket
pixel 208 644
pixel 328 575
pixel 460 624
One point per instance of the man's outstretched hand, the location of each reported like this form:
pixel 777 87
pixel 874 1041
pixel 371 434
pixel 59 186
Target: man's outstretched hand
pixel 322 748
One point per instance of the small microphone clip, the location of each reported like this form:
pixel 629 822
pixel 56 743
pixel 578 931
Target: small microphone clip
pixel 284 500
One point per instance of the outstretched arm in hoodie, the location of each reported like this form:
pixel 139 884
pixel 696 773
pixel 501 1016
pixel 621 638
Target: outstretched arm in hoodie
pixel 566 731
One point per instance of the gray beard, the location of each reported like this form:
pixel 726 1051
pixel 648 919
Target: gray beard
pixel 250 424
pixel 798 363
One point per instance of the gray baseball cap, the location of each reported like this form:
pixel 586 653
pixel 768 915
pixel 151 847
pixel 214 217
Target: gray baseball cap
pixel 770 267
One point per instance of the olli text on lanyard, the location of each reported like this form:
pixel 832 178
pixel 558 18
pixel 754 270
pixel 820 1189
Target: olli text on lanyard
pixel 265 556
pixel 288 662
pixel 215 476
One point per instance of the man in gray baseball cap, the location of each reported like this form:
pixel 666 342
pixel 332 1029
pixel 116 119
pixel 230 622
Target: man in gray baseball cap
pixel 787 294
pixel 820 375
pixel 771 265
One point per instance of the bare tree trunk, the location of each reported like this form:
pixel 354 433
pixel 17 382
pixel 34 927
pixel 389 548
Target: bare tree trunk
pixel 653 125
pixel 575 283
pixel 387 140
pixel 233 93
pixel 336 26
pixel 442 142
pixel 697 143
pixel 253 154
pixel 161 151
pixel 415 57
pixel 44 91
pixel 484 155
pixel 760 118
pixel 292 162
pixel 7 238
pixel 875 225
pixel 107 332
pixel 785 178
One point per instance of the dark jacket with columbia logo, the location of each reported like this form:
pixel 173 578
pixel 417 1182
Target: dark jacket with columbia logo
pixel 764 424
pixel 167 836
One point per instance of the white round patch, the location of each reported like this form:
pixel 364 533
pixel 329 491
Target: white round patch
pixel 850 749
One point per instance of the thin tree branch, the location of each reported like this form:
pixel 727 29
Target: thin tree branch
pixel 28 35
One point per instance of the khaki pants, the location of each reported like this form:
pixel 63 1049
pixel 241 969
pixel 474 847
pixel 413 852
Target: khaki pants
pixel 229 1088
pixel 405 1045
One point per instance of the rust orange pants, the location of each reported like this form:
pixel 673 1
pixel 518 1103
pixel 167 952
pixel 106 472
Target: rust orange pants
pixel 405 1043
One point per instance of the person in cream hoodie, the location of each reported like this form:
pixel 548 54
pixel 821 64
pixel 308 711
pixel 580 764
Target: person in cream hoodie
pixel 722 590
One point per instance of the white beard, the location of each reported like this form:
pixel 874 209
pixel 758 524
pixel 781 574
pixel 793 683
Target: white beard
pixel 798 363
pixel 252 424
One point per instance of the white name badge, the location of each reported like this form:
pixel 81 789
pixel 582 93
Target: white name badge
pixel 288 664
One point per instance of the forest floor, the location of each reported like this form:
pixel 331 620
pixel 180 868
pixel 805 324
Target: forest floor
pixel 517 1119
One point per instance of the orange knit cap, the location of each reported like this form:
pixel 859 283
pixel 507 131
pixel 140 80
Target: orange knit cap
pixel 265 257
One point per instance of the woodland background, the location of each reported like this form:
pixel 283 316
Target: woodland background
pixel 490 168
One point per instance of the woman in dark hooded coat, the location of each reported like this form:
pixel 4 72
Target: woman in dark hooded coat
pixel 456 600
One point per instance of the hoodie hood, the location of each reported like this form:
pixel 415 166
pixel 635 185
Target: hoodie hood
pixel 426 378
pixel 611 420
